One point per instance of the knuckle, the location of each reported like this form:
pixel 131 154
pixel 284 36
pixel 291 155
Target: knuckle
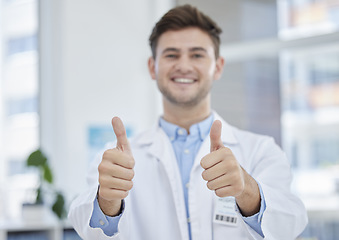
pixel 101 181
pixel 129 185
pixel 131 163
pixel 204 175
pixel 110 154
pixel 101 167
pixel 220 193
pixel 210 186
pixel 231 166
pixel 106 154
pixel 235 164
pixel 131 174
pixel 224 150
pixel 123 194
pixel 227 150
pixel 202 163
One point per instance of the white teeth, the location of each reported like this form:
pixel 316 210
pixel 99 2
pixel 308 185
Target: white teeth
pixel 183 80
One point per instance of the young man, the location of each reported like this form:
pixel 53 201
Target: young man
pixel 192 176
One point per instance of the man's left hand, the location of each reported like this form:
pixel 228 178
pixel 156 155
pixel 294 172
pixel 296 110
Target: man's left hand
pixel 226 177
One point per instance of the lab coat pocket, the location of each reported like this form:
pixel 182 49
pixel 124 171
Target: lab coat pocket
pixel 227 224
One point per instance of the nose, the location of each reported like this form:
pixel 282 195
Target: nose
pixel 183 64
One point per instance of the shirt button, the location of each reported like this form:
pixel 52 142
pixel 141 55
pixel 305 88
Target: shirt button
pixel 188 220
pixel 102 223
pixel 180 132
pixel 187 185
pixel 187 151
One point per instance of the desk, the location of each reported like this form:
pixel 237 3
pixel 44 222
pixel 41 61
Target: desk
pixel 52 227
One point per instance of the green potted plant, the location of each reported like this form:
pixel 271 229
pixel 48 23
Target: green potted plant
pixel 39 160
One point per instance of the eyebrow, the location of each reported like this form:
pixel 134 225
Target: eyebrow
pixel 197 49
pixel 193 49
pixel 170 49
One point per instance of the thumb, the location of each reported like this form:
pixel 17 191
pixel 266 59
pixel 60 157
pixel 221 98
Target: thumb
pixel 120 133
pixel 215 135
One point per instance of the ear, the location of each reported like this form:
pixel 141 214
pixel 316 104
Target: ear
pixel 151 67
pixel 219 67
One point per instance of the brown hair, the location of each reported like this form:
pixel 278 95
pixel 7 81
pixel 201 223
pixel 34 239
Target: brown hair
pixel 183 17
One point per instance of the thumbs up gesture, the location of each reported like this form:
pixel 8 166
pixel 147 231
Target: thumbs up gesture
pixel 115 172
pixel 226 177
pixel 222 171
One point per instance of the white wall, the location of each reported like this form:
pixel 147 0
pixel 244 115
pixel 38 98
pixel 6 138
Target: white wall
pixel 2 163
pixel 93 66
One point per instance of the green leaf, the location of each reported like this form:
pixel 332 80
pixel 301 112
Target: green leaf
pixel 59 206
pixel 36 158
pixel 38 196
pixel 48 176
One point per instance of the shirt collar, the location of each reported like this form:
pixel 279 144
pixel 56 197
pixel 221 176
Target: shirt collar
pixel 156 133
pixel 200 129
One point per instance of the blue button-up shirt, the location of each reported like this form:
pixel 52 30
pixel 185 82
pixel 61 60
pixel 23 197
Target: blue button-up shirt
pixel 185 145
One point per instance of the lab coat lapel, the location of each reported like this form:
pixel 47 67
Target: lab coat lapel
pixel 161 148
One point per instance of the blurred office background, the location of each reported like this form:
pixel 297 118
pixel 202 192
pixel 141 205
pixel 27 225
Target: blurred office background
pixel 68 67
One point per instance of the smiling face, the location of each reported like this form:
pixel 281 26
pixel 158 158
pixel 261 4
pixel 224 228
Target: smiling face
pixel 185 67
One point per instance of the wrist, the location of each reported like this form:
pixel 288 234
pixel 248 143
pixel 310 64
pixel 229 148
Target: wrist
pixel 110 208
pixel 249 201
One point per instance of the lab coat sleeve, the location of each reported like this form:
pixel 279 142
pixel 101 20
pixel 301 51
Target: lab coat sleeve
pixel 285 215
pixel 81 208
pixel 107 223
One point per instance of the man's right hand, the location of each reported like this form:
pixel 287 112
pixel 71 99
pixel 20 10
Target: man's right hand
pixel 115 172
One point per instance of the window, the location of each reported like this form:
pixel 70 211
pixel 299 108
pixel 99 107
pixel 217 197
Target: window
pixel 310 115
pixel 21 44
pixel 19 121
pixel 310 107
pixel 303 18
pixel 287 86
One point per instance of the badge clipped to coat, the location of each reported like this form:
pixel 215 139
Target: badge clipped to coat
pixel 225 211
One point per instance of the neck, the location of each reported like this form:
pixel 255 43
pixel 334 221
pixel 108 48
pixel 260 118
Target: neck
pixel 185 116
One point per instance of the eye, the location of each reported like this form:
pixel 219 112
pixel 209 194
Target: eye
pixel 173 56
pixel 197 55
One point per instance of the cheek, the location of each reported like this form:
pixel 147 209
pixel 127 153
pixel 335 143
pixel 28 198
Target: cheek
pixel 210 70
pixel 163 69
pixel 207 68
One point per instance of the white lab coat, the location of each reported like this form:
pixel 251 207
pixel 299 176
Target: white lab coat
pixel 155 207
